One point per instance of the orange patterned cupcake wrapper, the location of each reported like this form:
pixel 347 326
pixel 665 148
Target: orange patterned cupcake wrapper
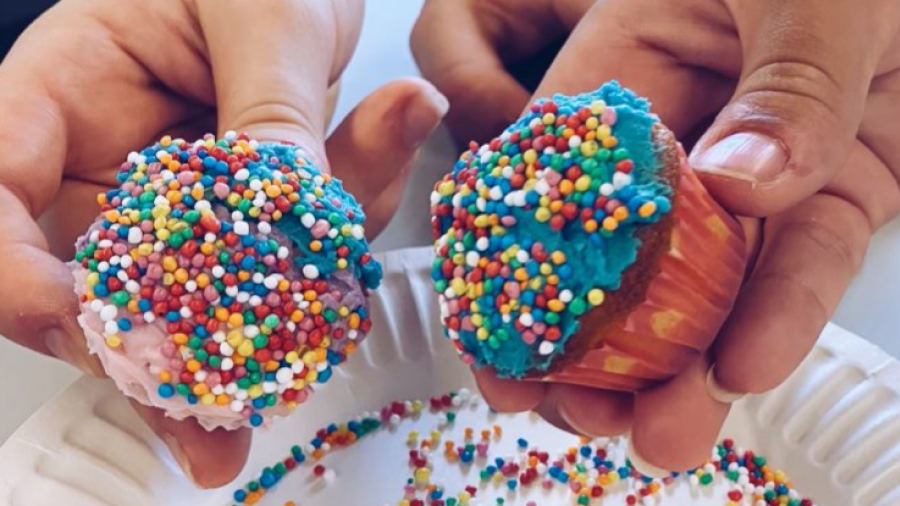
pixel 686 303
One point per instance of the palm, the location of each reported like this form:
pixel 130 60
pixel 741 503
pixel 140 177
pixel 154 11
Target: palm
pixel 120 98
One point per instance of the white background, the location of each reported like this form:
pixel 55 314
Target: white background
pixel 871 307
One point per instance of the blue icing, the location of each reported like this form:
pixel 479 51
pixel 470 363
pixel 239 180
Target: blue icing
pixel 594 260
pixel 337 204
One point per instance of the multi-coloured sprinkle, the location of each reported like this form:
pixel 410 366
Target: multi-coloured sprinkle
pixel 246 265
pixel 592 472
pixel 534 228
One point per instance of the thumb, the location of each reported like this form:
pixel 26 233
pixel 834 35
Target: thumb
pixel 375 168
pixel 799 103
pixel 272 74
pixel 208 458
pixel 272 62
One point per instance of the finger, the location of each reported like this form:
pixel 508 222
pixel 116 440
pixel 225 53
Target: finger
pixel 40 306
pixel 676 423
pixel 208 458
pixel 592 412
pixel 548 410
pixel 798 106
pixel 457 45
pixel 69 215
pixel 509 396
pixel 809 256
pixel 272 75
pixel 609 43
pixel 881 122
pixel 374 147
pixel 868 182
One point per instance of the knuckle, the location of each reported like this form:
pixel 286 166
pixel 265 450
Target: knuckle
pixel 793 89
pixel 830 239
pixel 274 112
pixel 460 81
pixel 422 31
pixel 797 291
pixel 869 181
pixel 829 243
pixel 456 79
pixel 30 174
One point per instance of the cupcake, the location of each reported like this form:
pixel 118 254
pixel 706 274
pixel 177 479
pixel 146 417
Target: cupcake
pixel 579 247
pixel 224 279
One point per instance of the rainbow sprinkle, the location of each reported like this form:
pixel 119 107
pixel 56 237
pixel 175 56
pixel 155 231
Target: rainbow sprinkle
pixel 535 227
pixel 589 472
pixel 251 261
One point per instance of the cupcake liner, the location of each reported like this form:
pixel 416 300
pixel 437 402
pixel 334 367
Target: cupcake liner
pixel 685 305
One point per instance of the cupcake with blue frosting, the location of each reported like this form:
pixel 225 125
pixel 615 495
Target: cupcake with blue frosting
pixel 579 247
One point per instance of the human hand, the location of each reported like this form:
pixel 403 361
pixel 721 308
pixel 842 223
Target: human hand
pixel 94 79
pixel 467 48
pixel 801 99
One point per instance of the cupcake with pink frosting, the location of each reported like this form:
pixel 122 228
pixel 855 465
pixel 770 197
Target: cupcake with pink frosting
pixel 224 279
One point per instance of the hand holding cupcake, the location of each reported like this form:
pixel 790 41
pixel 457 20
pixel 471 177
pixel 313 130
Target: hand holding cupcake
pixel 577 249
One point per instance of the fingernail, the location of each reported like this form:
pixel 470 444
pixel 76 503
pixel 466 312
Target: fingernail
pixel 746 156
pixel 644 467
pixel 179 455
pixel 717 391
pixel 60 343
pixel 422 118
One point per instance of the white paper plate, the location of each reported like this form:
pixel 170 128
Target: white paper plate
pixel 834 426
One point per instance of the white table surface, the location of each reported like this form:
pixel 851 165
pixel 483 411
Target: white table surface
pixel 869 308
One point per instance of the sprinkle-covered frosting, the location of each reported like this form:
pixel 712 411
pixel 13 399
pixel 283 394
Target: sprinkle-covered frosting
pixel 534 228
pixel 248 263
